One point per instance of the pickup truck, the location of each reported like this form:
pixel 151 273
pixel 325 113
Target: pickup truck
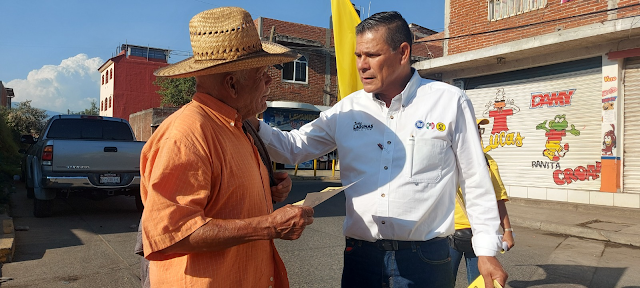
pixel 92 156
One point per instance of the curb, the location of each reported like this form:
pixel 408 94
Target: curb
pixel 559 228
pixel 7 249
pixel 302 178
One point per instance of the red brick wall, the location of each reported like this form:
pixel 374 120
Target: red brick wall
pixel 471 16
pixel 423 46
pixel 133 87
pixel 313 91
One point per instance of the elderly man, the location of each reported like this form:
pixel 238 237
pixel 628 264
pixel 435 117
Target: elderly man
pixel 208 219
pixel 411 143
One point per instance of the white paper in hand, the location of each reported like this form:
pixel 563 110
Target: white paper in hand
pixel 314 198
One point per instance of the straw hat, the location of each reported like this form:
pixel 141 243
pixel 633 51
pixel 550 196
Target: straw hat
pixel 223 40
pixel 482 121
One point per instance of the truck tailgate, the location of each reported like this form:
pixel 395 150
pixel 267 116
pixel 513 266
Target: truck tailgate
pixel 96 156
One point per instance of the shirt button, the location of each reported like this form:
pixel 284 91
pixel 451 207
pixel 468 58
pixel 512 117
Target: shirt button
pixel 382 195
pixel 233 123
pixel 391 117
pixel 386 168
pixel 271 278
pixel 388 142
pixel 383 222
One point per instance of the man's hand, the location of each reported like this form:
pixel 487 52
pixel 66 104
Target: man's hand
pixel 508 237
pixel 289 221
pixel 491 269
pixel 280 192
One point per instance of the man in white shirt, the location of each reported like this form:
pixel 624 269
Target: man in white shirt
pixel 409 142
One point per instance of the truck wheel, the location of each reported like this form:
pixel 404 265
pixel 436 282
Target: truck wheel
pixel 139 204
pixel 42 208
pixel 30 193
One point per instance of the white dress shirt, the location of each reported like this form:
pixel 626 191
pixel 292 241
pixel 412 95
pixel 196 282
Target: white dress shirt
pixel 410 156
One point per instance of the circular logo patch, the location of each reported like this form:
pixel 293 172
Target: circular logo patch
pixel 440 126
pixel 419 124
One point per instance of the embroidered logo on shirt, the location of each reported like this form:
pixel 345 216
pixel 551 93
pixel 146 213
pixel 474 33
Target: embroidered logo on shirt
pixel 440 126
pixel 419 124
pixel 358 126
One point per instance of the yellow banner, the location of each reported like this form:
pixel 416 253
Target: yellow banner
pixel 345 19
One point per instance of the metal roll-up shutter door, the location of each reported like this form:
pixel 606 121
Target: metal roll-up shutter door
pixel 520 151
pixel 631 157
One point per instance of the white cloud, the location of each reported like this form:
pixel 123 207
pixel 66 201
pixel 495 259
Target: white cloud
pixel 71 85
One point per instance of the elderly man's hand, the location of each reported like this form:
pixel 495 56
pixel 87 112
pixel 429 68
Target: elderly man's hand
pixel 289 221
pixel 280 192
pixel 490 269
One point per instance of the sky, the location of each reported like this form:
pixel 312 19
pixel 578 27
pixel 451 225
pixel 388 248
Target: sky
pixel 50 51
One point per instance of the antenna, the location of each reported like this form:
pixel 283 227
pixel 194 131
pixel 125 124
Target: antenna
pixel 369 11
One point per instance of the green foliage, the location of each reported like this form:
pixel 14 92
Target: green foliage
pixel 9 157
pixel 25 119
pixel 176 91
pixel 93 110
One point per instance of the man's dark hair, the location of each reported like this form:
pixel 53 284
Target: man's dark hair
pixel 397 32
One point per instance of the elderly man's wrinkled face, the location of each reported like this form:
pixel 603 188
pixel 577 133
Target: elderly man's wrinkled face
pixel 253 92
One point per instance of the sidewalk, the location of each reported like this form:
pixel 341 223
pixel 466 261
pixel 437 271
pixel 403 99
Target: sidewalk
pixel 614 224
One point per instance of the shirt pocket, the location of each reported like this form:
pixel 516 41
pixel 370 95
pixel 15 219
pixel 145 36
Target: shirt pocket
pixel 426 156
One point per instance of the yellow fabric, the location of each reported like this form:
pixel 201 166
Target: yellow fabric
pixel 461 220
pixel 345 19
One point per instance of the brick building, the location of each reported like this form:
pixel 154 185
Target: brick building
pixel 126 81
pixel 6 94
pixel 564 76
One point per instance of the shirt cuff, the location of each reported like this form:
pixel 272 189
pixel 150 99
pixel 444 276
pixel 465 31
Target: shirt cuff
pixel 486 245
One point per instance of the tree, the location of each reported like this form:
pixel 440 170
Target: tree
pixel 176 91
pixel 93 110
pixel 25 119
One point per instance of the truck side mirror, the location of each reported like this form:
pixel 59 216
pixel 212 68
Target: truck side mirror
pixel 27 139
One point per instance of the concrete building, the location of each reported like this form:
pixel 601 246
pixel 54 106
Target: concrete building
pixel 126 84
pixel 559 82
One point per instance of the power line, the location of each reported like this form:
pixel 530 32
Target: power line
pixel 531 24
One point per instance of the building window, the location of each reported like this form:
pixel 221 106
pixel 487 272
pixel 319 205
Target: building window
pixel 106 78
pixel 110 102
pixel 296 71
pixel 500 9
pixel 102 105
pixel 102 79
pixel 111 74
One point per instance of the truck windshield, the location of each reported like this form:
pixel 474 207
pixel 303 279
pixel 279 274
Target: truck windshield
pixel 89 129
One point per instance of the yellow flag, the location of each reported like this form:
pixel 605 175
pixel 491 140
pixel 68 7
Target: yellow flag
pixel 345 19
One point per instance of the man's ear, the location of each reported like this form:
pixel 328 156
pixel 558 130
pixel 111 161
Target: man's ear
pixel 231 85
pixel 405 51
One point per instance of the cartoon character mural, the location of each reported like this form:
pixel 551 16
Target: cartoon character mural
pixel 556 130
pixel 499 110
pixel 609 141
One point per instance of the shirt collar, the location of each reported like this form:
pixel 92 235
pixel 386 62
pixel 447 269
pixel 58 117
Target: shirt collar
pixel 225 112
pixel 409 91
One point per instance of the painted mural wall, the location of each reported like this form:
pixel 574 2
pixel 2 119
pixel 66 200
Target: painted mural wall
pixel 545 132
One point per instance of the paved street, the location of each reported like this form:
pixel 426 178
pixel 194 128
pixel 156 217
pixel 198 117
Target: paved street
pixel 89 244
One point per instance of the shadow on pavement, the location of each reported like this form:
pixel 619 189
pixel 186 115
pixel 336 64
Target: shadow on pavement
pixel 587 276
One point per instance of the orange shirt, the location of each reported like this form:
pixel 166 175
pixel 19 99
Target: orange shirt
pixel 199 165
